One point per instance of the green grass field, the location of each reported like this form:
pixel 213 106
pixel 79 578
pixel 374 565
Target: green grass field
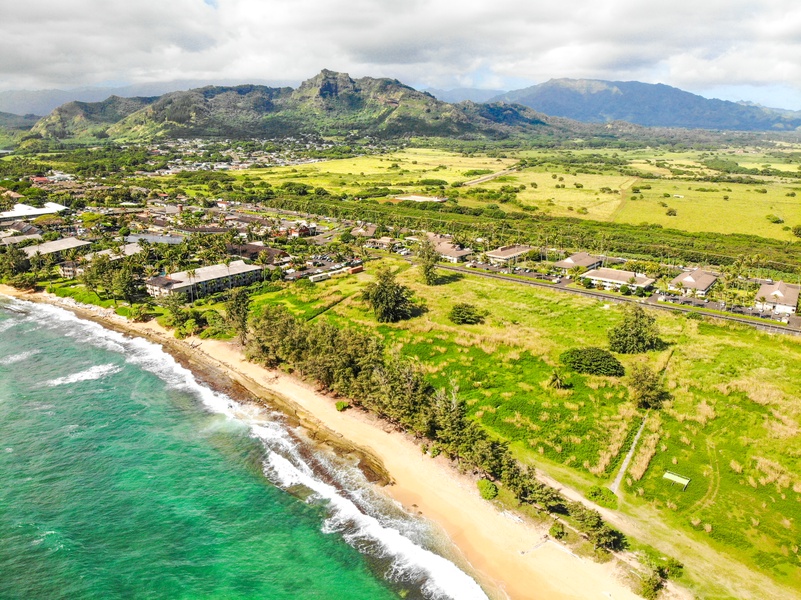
pixel 732 424
pixel 703 206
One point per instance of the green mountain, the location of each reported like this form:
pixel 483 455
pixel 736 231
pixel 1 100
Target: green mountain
pixel 14 127
pixel 650 105
pixel 328 104
pixel 88 119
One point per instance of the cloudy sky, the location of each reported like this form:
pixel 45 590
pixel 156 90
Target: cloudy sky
pixel 731 49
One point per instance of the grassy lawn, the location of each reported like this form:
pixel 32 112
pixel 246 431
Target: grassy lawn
pixel 732 425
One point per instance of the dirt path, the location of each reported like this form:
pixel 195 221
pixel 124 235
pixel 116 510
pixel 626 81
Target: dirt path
pixel 624 188
pixel 616 483
pixel 489 177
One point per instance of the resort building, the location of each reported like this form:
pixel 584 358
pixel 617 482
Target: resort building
pixel 21 212
pixel 55 247
pixel 696 282
pixel 614 279
pixel 506 254
pixel 71 269
pixel 778 297
pixel 204 280
pixel 581 259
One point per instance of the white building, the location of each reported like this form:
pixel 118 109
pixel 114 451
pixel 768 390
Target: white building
pixel 204 280
pixel 778 297
pixel 614 279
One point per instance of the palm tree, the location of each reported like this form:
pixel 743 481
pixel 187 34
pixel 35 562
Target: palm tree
pixel 191 273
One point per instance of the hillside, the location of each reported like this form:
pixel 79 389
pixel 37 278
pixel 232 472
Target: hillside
pixel 652 105
pixel 12 127
pixel 329 104
pixel 88 119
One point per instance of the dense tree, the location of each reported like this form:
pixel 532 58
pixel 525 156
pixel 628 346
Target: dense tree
pixel 465 313
pixel 428 257
pixel 389 300
pixel 237 309
pixel 646 385
pixel 637 333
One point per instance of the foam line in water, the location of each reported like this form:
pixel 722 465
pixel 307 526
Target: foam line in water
pixel 439 578
pixel 443 578
pixel 90 374
pixel 15 358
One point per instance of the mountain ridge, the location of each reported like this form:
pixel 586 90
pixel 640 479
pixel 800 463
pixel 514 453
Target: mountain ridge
pixel 647 104
pixel 329 103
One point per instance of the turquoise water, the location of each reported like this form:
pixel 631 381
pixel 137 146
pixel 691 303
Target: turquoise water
pixel 122 477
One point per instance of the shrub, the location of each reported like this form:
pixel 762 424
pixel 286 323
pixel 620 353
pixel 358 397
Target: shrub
pixel 557 531
pixel 593 361
pixel 671 212
pixel 774 219
pixel 603 496
pixel 487 489
pixel 464 313
pixel 342 405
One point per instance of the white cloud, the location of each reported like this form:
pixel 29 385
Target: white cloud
pixel 736 44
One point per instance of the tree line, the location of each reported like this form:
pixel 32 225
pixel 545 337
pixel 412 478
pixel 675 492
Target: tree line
pixel 351 363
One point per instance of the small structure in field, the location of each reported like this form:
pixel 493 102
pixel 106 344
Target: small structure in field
pixel 676 478
pixel 416 198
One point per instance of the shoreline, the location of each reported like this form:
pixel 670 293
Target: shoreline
pixel 509 557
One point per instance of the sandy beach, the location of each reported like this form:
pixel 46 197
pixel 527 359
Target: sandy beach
pixel 511 558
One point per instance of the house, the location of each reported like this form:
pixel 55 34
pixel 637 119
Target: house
pixel 251 251
pixel 580 259
pixel 698 282
pixel 17 239
pixel 447 250
pixel 367 230
pixel 56 247
pixel 507 254
pixel 204 280
pixel 382 243
pixel 778 297
pixel 614 279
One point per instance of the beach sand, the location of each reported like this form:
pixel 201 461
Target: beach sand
pixel 510 557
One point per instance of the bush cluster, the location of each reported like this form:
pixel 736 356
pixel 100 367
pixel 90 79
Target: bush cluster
pixel 593 361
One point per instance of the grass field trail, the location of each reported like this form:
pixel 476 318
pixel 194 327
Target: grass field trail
pixel 616 483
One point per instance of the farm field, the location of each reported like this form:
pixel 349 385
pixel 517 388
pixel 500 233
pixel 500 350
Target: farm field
pixel 731 426
pixel 635 187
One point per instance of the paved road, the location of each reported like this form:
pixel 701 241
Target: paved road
pixel 562 286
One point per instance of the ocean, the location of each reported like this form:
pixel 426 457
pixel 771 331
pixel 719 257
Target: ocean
pixel 122 476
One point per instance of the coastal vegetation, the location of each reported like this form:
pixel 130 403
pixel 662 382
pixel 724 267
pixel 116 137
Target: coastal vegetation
pixel 512 383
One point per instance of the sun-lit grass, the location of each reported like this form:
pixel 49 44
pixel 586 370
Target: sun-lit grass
pixel 732 424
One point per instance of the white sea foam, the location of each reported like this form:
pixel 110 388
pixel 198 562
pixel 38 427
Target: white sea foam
pixel 90 374
pixel 15 358
pixel 8 324
pixel 443 579
pixel 354 514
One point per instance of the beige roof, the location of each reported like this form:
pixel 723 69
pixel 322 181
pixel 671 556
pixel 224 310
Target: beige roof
pixel 506 252
pixel 618 277
pixel 695 280
pixel 213 272
pixel 580 259
pixel 55 246
pixel 127 250
pixel 779 293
